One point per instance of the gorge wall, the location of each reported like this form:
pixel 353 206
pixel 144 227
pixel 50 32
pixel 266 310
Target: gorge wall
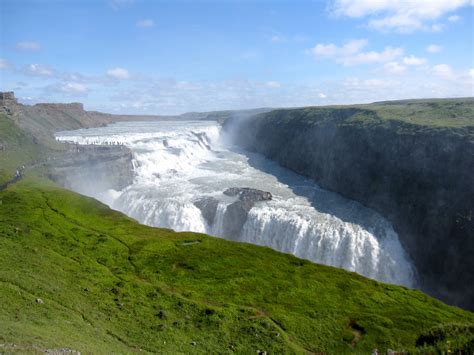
pixel 419 176
pixel 90 169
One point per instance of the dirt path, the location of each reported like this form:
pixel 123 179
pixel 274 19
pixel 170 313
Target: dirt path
pixel 20 174
pixel 11 182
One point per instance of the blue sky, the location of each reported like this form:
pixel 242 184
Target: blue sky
pixel 168 57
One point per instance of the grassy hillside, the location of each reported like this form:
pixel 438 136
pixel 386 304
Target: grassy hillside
pixel 429 112
pixel 107 284
pixel 16 148
pixel 75 274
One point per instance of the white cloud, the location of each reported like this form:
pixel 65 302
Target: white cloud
pixel 73 88
pixel 273 84
pixel 394 68
pixel 118 73
pixel 28 46
pixel 250 55
pixel 351 53
pixel 66 88
pixel 454 18
pixel 171 96
pixel 38 70
pixel 444 71
pixel 4 64
pixel 277 39
pixel 401 16
pixel 120 4
pixel 146 94
pixel 331 50
pixel 387 54
pixel 298 38
pixel 146 23
pixel 186 85
pixel 434 48
pixel 412 60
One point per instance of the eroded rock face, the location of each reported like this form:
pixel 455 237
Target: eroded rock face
pixel 235 217
pixel 248 194
pixel 93 169
pixel 208 207
pixel 236 213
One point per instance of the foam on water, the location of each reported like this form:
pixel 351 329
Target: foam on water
pixel 179 162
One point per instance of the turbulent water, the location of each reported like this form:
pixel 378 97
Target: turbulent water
pixel 179 165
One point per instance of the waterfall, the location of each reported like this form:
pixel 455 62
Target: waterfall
pixel 183 167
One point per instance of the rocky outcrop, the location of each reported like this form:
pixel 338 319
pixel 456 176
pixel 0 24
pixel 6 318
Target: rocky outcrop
pixel 235 217
pixel 42 120
pixel 93 169
pixel 208 207
pixel 418 176
pixel 248 194
pixel 236 213
pixel 8 98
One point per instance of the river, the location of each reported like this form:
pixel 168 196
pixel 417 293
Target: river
pixel 182 168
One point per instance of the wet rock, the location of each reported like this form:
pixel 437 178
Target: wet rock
pixel 208 207
pixel 248 194
pixel 93 168
pixel 235 217
pixel 202 139
pixel 236 213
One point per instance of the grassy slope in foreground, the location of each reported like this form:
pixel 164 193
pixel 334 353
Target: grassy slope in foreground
pixel 110 284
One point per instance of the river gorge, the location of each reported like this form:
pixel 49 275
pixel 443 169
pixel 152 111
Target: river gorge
pixel 181 170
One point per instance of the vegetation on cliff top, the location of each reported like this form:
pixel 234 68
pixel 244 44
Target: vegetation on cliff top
pixel 75 274
pixel 454 116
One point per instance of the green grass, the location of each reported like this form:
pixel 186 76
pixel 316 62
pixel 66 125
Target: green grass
pixel 455 116
pixel 432 112
pixel 112 285
pixel 18 149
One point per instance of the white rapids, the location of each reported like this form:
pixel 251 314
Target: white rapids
pixel 177 163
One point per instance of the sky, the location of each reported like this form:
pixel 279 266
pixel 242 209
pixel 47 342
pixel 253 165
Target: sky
pixel 171 57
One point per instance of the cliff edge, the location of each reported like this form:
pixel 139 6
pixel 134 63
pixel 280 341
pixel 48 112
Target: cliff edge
pixel 410 160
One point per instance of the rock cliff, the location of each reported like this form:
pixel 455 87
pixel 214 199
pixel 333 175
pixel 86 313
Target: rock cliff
pixel 93 169
pixel 416 170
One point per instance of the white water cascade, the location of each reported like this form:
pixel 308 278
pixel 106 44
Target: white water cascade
pixel 180 165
